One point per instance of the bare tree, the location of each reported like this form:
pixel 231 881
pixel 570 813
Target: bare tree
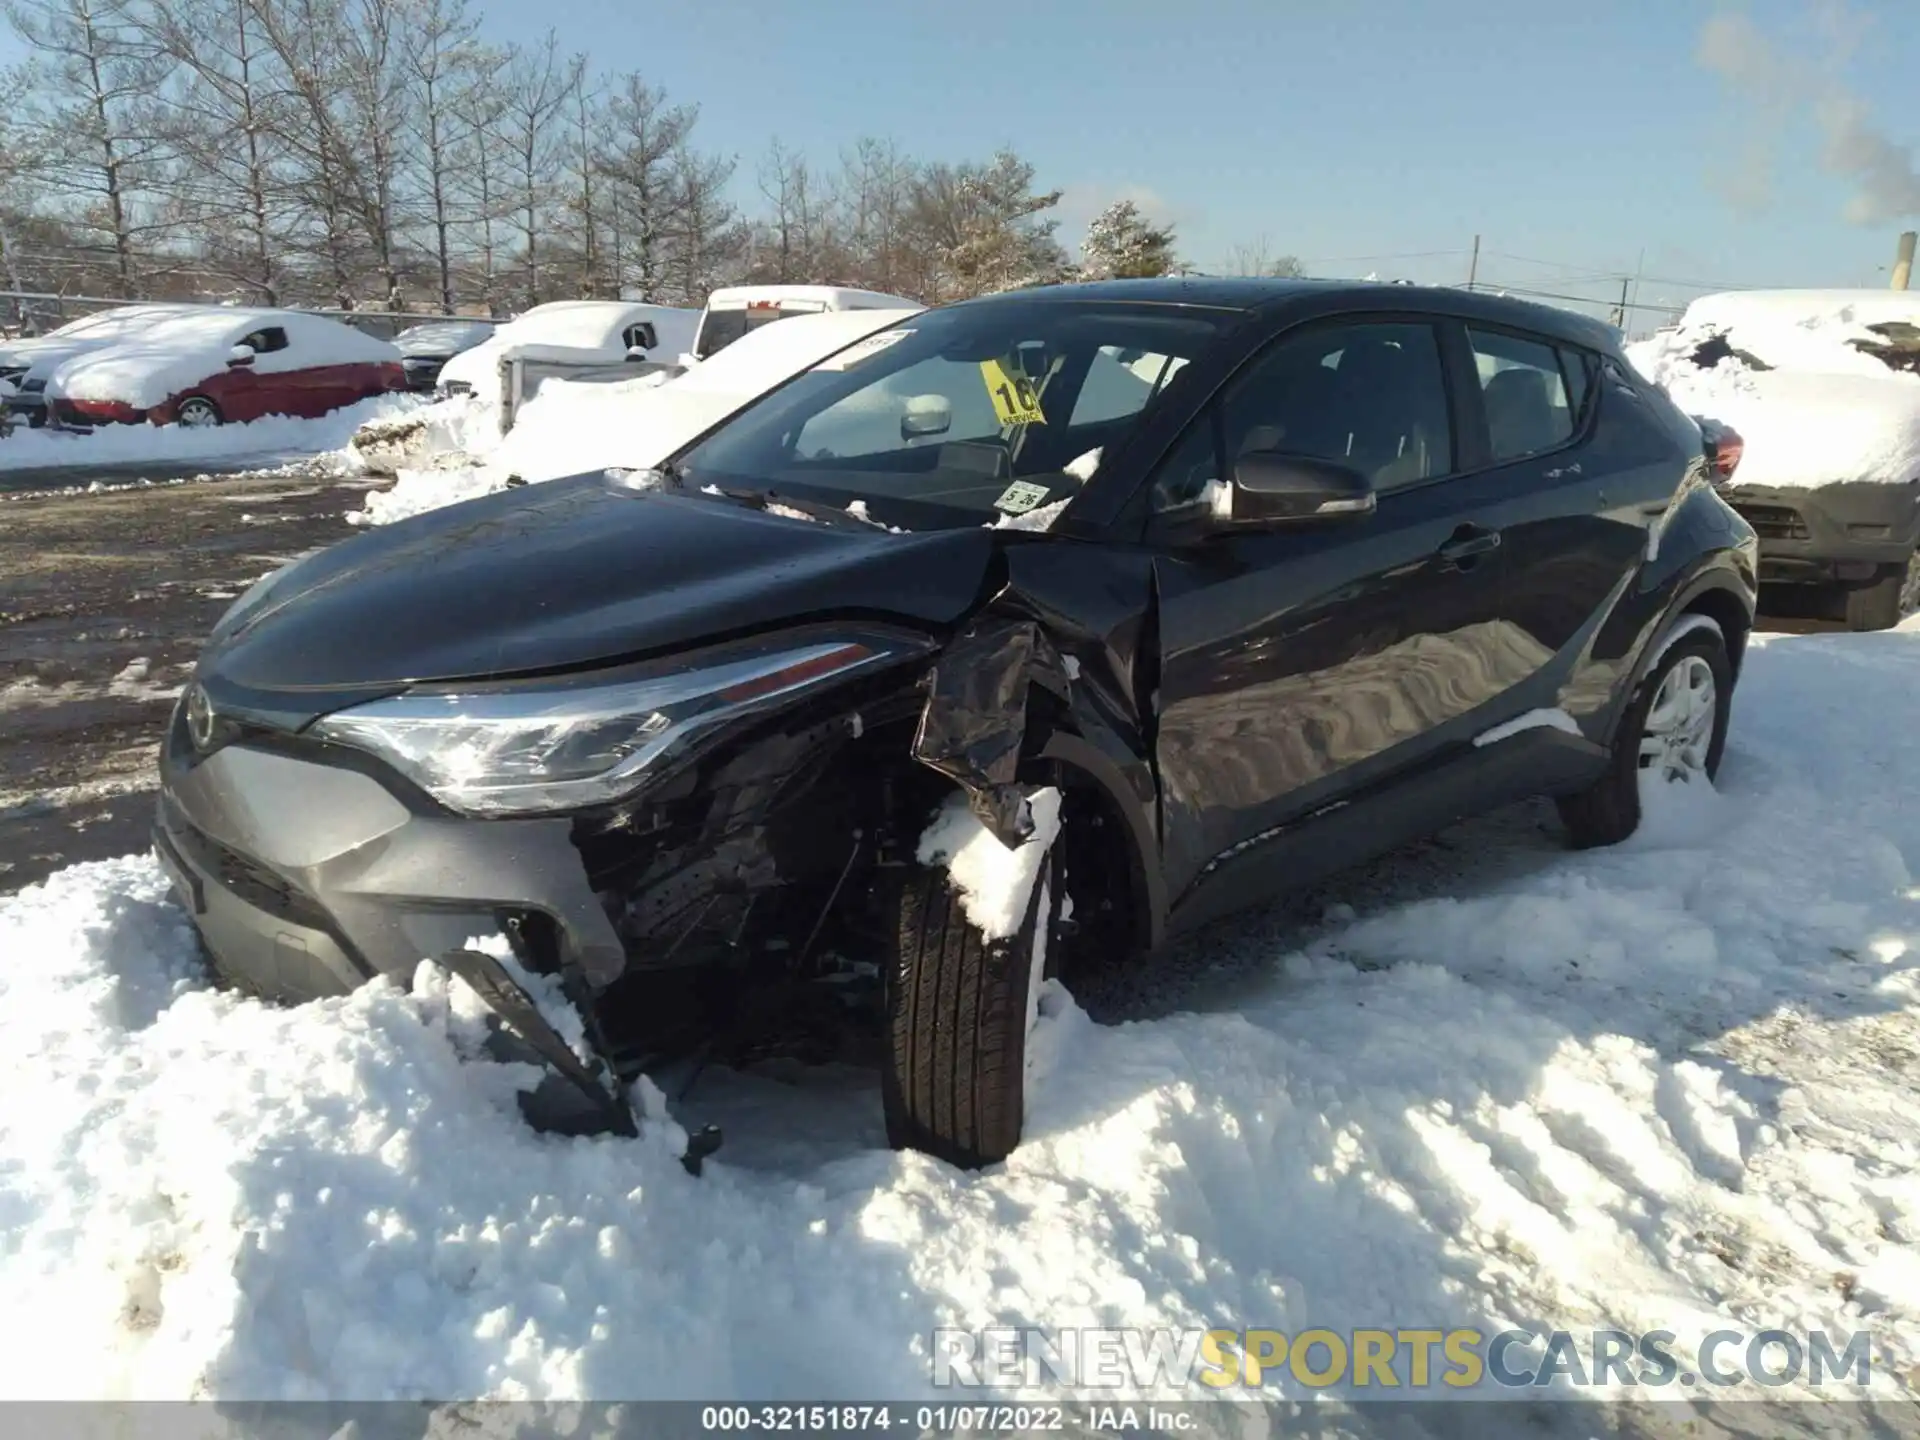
pixel 91 116
pixel 586 127
pixel 223 118
pixel 374 98
pixel 478 107
pixel 984 228
pixel 1259 259
pixel 307 40
pixel 709 240
pixel 537 84
pixel 794 240
pixel 439 60
pixel 877 188
pixel 645 137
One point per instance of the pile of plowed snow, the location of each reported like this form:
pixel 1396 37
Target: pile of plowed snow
pixel 1666 1086
pixel 271 440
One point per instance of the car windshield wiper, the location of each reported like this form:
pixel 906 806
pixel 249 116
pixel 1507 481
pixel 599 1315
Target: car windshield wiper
pixel 812 509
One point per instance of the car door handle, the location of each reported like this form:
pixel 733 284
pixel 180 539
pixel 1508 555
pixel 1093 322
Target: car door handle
pixel 1468 541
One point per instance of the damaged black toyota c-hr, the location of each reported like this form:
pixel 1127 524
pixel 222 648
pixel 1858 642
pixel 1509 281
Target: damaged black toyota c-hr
pixel 1012 640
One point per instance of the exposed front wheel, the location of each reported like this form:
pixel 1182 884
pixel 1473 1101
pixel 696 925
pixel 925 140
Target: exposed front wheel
pixel 959 1009
pixel 196 411
pixel 1673 732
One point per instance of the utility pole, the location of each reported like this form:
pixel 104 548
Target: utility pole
pixel 1473 265
pixel 1620 315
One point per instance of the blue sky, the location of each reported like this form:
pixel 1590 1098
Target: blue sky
pixel 1358 134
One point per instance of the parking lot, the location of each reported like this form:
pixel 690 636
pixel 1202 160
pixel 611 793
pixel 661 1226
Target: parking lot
pixel 103 601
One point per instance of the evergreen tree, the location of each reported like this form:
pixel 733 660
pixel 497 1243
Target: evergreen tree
pixel 1122 245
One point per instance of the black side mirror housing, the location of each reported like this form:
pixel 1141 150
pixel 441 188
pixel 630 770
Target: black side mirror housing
pixel 1270 488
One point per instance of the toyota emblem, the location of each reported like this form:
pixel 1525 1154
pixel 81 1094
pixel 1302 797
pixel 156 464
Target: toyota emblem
pixel 199 718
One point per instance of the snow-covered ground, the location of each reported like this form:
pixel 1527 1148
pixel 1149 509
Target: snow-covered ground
pixel 1670 1085
pixel 276 440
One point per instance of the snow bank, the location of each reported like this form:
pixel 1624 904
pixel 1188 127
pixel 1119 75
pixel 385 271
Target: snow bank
pixel 276 439
pixel 572 427
pixel 1825 413
pixel 1668 1085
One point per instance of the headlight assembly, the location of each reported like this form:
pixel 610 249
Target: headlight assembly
pixel 524 751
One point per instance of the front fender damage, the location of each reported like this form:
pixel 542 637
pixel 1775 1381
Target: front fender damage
pixel 973 728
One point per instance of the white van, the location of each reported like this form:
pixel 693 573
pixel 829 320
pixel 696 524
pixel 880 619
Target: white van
pixel 733 311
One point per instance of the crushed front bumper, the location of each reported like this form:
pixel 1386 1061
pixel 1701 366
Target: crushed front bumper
pixel 1831 533
pixel 308 879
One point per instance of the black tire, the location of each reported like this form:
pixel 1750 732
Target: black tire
pixel 958 1008
pixel 201 401
pixel 1877 607
pixel 1609 811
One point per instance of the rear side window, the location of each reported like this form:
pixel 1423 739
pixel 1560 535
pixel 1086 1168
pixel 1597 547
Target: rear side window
pixel 1529 405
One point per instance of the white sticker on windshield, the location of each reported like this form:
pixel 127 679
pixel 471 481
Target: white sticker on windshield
pixel 862 350
pixel 1020 497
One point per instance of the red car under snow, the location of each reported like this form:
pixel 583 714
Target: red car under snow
pixel 224 365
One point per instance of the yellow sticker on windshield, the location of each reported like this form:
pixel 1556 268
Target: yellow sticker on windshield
pixel 1014 398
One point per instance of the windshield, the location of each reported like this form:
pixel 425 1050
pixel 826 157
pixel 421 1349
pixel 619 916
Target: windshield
pixel 961 415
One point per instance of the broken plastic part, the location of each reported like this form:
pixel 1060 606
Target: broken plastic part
pixel 700 1144
pixel 975 719
pixel 607 1111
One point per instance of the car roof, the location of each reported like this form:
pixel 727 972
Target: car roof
pixel 1270 297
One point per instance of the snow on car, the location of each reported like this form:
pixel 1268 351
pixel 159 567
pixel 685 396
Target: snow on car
pixel 1821 388
pixel 426 348
pixel 219 365
pixel 570 428
pixel 28 363
pixel 575 332
pixel 735 311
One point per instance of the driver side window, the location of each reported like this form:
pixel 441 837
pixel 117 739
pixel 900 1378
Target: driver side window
pixel 1370 395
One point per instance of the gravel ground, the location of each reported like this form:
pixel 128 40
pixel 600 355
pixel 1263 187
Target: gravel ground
pixel 103 600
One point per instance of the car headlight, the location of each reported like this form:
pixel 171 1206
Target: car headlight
pixel 521 751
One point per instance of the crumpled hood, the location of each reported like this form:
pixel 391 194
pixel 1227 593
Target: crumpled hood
pixel 570 574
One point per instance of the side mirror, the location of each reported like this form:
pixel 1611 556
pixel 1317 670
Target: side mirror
pixel 1271 488
pixel 926 415
pixel 240 355
pixel 636 352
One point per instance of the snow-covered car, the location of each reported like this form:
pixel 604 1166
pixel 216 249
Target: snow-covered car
pixel 569 429
pixel 922 679
pixel 737 310
pixel 28 363
pixel 581 333
pixel 1822 388
pixel 216 366
pixel 426 348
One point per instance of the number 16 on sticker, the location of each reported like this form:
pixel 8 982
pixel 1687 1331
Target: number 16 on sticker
pixel 1015 400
